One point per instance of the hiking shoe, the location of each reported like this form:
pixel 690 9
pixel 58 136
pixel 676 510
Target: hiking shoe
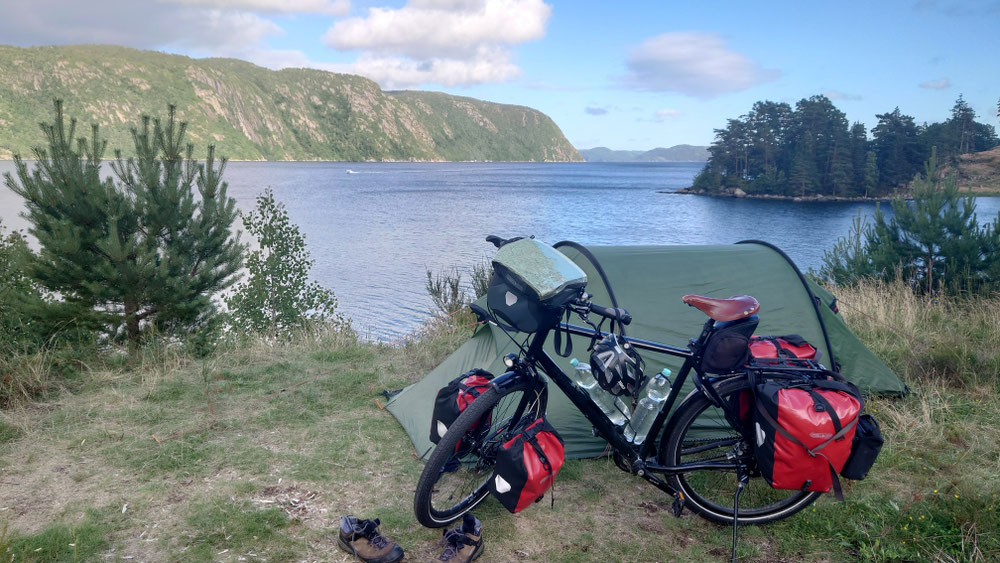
pixel 361 539
pixel 463 543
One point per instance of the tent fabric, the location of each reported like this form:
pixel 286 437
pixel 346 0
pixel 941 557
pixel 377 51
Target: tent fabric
pixel 649 281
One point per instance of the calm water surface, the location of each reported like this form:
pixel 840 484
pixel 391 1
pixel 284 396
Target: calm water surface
pixel 374 229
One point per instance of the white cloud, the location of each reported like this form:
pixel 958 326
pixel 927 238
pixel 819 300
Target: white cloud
pixel 153 25
pixel 594 110
pixel 939 84
pixel 402 72
pixel 328 7
pixel 664 114
pixel 838 95
pixel 226 33
pixel 692 63
pixel 448 42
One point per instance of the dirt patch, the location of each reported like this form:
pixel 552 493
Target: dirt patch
pixel 298 503
pixel 43 484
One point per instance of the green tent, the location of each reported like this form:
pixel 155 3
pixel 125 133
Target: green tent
pixel 649 281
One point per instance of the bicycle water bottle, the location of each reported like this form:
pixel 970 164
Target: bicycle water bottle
pixel 647 409
pixel 584 379
pixel 658 388
pixel 642 420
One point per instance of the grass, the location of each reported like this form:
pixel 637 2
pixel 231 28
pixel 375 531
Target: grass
pixel 256 451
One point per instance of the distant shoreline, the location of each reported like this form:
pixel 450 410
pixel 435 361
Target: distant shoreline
pixel 819 198
pixel 4 159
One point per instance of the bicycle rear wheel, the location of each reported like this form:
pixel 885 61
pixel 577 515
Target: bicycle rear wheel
pixel 456 476
pixel 700 432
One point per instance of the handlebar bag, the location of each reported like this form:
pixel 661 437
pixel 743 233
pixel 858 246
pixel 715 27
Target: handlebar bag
pixel 866 447
pixel 787 346
pixel 454 398
pixel 531 284
pixel 527 464
pixel 803 432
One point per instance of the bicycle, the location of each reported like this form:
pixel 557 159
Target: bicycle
pixel 700 457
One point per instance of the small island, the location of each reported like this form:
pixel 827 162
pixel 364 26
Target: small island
pixel 810 153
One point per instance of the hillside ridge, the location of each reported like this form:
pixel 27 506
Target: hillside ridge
pixel 253 113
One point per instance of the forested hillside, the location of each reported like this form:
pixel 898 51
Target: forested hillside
pixel 811 150
pixel 253 113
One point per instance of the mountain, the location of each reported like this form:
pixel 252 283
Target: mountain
pixel 604 154
pixel 676 153
pixel 252 113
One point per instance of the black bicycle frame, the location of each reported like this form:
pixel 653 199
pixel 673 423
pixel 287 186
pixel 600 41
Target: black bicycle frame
pixel 635 456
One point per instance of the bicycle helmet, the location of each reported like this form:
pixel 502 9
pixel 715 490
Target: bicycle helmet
pixel 616 365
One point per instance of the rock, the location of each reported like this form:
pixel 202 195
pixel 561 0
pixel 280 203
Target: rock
pixel 739 193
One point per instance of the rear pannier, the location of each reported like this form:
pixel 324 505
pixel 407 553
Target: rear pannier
pixel 531 284
pixel 787 346
pixel 527 464
pixel 803 432
pixel 454 398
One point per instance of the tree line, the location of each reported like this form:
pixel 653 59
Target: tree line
pixel 812 150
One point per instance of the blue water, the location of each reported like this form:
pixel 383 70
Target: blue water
pixel 374 229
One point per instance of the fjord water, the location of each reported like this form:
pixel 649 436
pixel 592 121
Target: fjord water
pixel 374 229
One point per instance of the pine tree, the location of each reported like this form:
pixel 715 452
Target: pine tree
pixel 135 247
pixel 870 174
pixel 934 242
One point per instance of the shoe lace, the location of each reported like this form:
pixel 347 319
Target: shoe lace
pixel 453 547
pixel 369 530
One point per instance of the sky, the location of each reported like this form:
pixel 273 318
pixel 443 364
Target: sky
pixel 620 74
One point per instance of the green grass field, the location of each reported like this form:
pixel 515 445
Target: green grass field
pixel 254 454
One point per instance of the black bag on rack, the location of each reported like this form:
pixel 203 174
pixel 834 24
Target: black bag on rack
pixel 864 449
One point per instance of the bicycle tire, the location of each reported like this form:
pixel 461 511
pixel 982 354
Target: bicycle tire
pixel 698 424
pixel 468 484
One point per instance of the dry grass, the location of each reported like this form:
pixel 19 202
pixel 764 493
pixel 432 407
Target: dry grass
pixel 260 448
pixel 924 339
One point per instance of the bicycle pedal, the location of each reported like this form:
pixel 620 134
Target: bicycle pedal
pixel 678 506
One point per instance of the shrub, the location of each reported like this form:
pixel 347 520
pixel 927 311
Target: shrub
pixel 277 298
pixel 450 296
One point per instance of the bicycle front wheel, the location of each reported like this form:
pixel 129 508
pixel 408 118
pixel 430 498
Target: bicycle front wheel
pixel 700 432
pixel 456 476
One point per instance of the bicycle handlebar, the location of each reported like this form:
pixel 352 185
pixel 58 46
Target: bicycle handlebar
pixel 617 314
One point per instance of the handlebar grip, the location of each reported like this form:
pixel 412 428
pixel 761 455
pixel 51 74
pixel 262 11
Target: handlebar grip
pixel 620 315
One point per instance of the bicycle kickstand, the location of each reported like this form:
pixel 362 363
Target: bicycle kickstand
pixel 744 478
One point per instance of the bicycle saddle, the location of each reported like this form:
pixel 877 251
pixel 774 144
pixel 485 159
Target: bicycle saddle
pixel 736 307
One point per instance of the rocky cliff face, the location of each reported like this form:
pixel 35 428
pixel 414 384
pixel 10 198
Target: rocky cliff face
pixel 254 113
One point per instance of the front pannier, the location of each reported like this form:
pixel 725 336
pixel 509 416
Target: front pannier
pixel 454 398
pixel 527 464
pixel 803 432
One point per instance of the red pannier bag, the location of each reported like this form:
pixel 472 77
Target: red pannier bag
pixel 787 346
pixel 527 464
pixel 454 398
pixel 804 431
